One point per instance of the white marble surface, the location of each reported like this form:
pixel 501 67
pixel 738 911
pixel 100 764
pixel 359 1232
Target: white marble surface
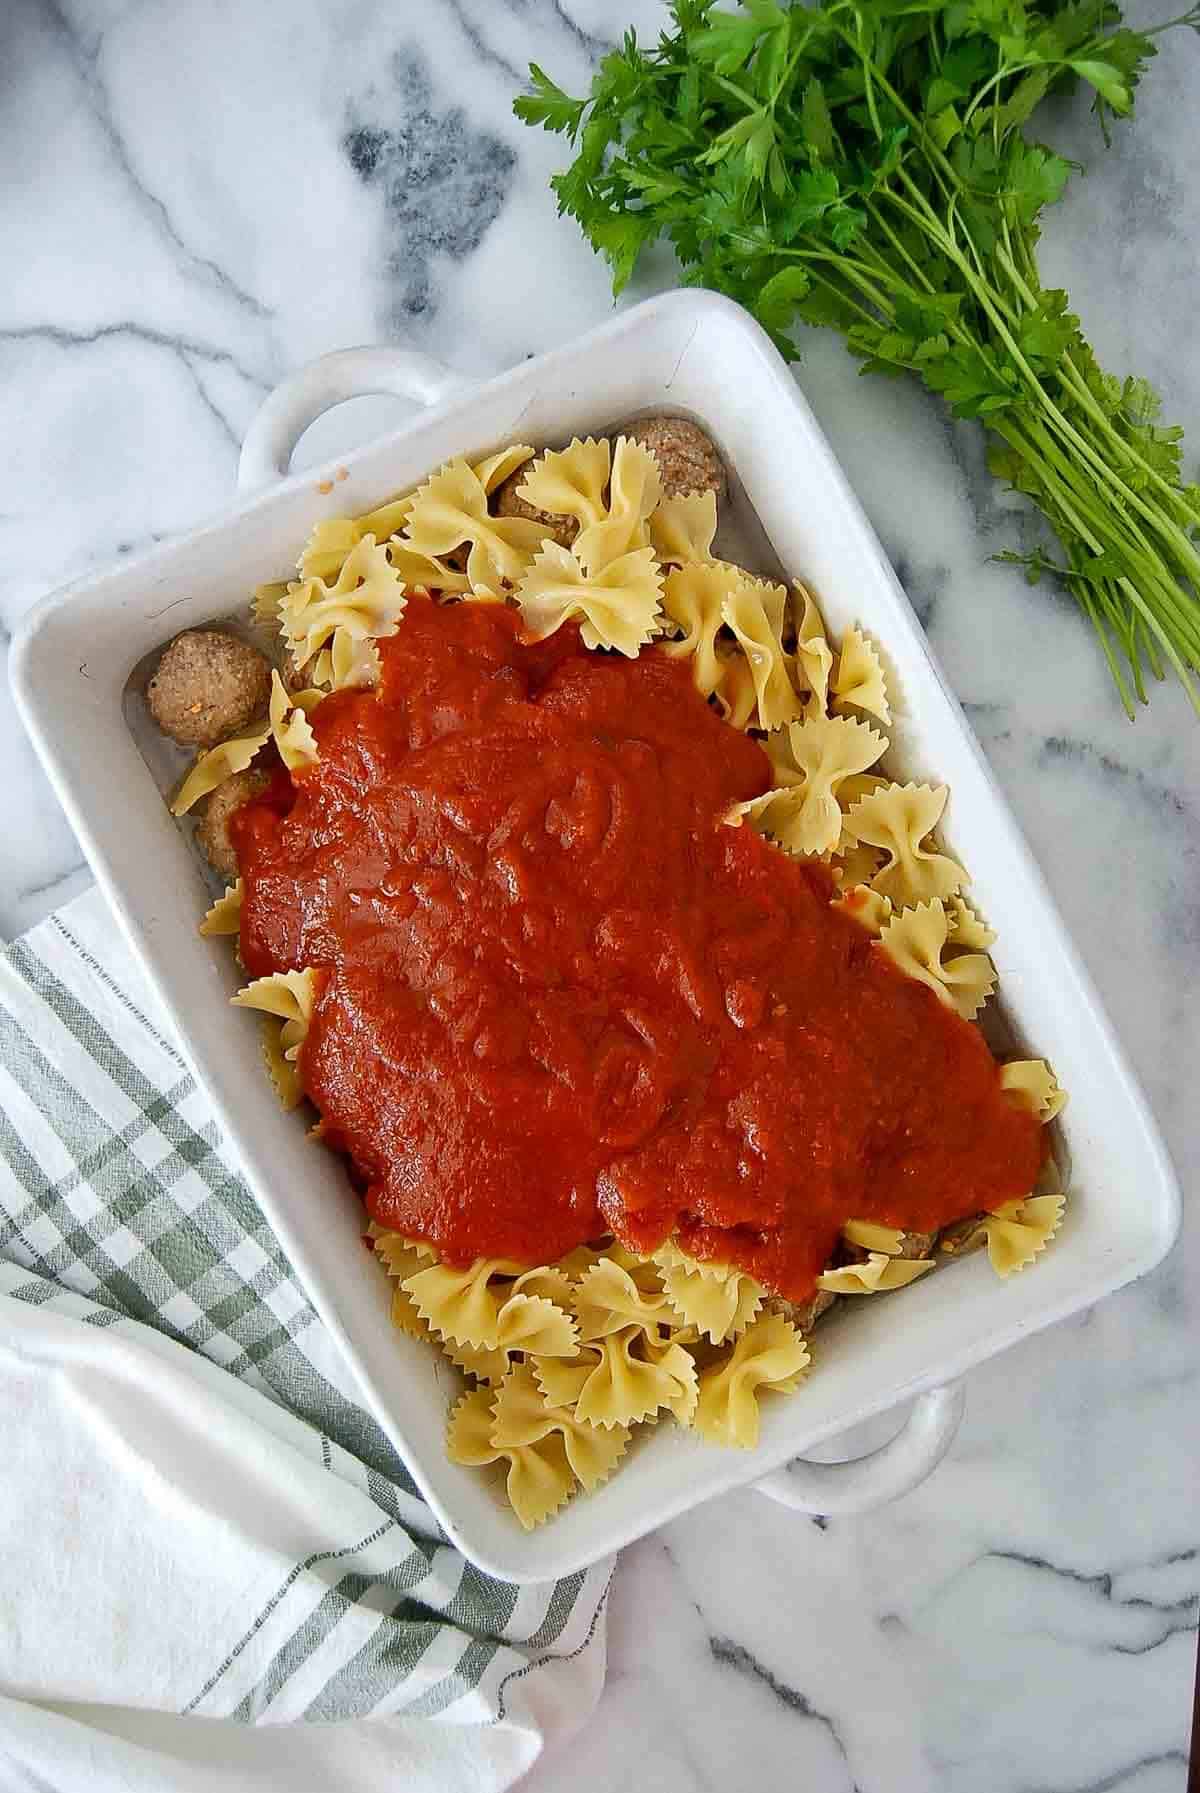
pixel 194 197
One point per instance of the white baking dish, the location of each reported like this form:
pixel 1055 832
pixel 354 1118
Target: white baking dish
pixel 688 352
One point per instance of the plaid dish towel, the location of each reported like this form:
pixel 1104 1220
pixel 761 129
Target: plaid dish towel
pixel 197 1519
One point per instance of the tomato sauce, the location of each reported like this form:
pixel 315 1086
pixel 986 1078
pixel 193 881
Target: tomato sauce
pixel 560 997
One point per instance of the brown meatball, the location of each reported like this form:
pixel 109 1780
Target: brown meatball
pixel 212 830
pixel 961 1236
pixel 802 1314
pixel 687 456
pixel 507 502
pixel 207 686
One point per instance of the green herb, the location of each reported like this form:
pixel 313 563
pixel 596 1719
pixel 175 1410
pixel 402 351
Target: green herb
pixel 864 164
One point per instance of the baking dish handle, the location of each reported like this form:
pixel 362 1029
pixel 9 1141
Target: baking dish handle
pixel 286 413
pixel 866 1482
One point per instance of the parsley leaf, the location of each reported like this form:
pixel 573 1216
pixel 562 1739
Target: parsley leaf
pixel 549 106
pixel 816 122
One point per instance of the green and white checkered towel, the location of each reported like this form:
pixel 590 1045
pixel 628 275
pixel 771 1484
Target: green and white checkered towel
pixel 197 1519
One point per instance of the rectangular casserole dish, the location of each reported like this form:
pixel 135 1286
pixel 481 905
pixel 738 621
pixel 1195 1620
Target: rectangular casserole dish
pixel 692 353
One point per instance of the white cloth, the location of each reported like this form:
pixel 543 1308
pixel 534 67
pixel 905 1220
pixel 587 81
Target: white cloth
pixel 154 1515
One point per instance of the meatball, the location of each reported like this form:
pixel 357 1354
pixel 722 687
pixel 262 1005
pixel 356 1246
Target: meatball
pixel 687 457
pixel 207 686
pixel 962 1235
pixel 507 502
pixel 802 1314
pixel 212 830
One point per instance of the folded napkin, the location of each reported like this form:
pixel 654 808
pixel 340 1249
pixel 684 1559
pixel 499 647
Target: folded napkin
pixel 215 1572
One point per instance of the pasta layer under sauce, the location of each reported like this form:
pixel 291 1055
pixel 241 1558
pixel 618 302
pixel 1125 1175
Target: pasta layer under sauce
pixel 558 996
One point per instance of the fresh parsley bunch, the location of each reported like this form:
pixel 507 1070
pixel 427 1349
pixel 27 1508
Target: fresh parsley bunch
pixel 864 164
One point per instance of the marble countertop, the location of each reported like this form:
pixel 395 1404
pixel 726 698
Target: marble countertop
pixel 194 199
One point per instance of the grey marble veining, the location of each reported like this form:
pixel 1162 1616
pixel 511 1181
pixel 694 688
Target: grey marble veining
pixel 196 197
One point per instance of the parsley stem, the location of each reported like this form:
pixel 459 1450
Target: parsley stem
pixel 739 93
pixel 867 69
pixel 849 270
pixel 1136 545
pixel 1190 17
pixel 1002 73
pixel 1156 665
pixel 1088 604
pixel 918 272
pixel 1093 525
pixel 1168 646
pixel 1108 474
pixel 831 286
pixel 1083 392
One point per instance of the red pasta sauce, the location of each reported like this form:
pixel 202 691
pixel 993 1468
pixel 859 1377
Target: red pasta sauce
pixel 559 996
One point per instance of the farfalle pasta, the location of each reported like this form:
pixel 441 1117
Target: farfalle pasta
pixel 286 1000
pixel 858 682
pixel 753 611
pixel 215 766
pixel 606 1299
pixel 494 469
pixel 521 1415
pixel 451 511
pixel 964 927
pixel 401 1258
pixel 290 726
pixel 539 1478
pixel 225 915
pixel 865 906
pixel 609 491
pixel 1032 1082
pixel 878 1271
pixel 627 1384
pixel 673 1352
pixel 811 760
pixel 899 818
pixel 718 1300
pixel 480 1307
pixel 915 940
pixel 682 529
pixel 366 600
pixel 870 1235
pixel 267 603
pixel 571 482
pixel 734 693
pixel 324 554
pixel 770 1356
pixel 349 663
pixel 566 1355
pixel 693 599
pixel 287 726
pixel 814 657
pixel 289 995
pixel 332 539
pixel 1016 1232
pixel 634 491
pixel 618 606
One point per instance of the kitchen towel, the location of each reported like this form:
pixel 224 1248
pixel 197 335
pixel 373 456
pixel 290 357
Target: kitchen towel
pixel 215 1571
